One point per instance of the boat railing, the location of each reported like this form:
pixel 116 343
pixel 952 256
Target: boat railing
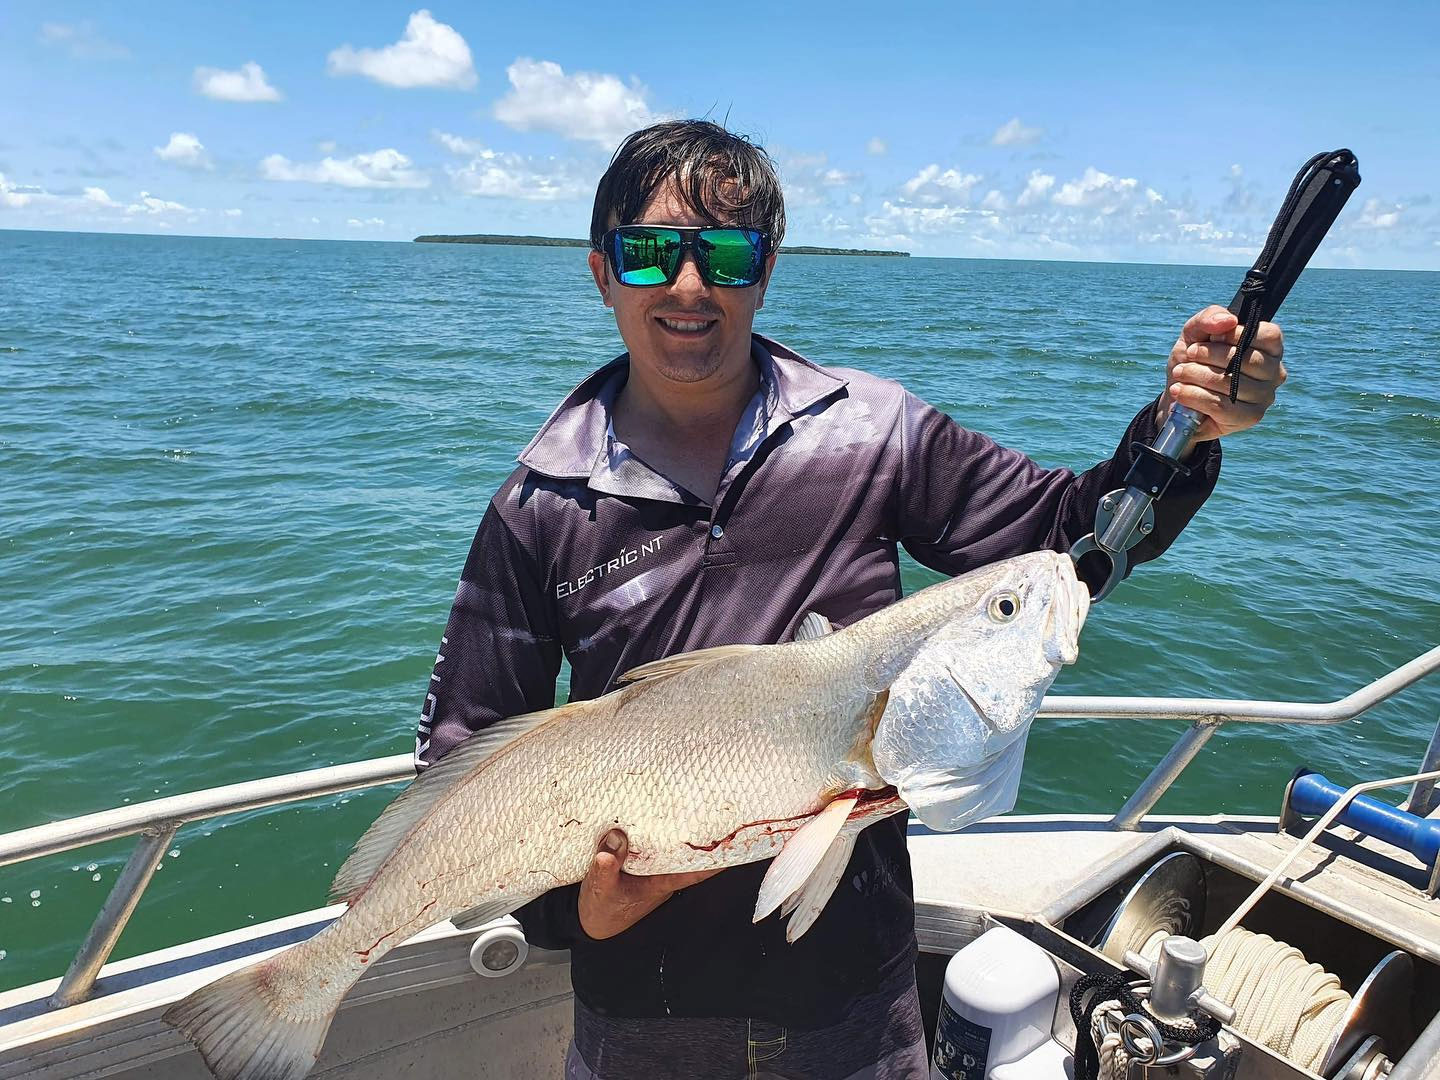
pixel 157 821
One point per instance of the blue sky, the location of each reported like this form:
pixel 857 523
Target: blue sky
pixel 1099 131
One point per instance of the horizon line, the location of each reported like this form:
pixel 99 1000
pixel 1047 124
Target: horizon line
pixel 911 255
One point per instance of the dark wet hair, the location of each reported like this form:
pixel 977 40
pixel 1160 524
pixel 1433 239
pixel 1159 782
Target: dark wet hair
pixel 723 177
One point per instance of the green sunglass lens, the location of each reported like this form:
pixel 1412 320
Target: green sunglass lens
pixel 645 256
pixel 733 255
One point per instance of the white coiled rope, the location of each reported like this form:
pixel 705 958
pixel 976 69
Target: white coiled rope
pixel 1281 1000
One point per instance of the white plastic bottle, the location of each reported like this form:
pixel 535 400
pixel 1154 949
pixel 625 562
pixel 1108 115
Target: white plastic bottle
pixel 999 1002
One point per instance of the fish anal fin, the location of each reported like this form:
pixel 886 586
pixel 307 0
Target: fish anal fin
pixel 478 916
pixel 813 626
pixel 802 854
pixel 428 790
pixel 673 665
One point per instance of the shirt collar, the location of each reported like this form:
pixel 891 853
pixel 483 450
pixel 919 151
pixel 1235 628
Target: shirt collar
pixel 573 442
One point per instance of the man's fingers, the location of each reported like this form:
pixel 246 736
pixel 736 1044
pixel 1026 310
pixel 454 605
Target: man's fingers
pixel 1250 390
pixel 1268 337
pixel 604 875
pixel 1218 407
pixel 1201 326
pixel 1216 354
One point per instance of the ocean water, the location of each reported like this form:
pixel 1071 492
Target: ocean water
pixel 238 479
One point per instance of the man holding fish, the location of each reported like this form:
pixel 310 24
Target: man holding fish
pixel 766 488
pixel 696 501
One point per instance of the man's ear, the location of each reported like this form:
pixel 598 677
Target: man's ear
pixel 765 281
pixel 599 270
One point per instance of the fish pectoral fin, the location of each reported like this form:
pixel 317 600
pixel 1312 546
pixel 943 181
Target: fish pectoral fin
pixel 673 665
pixel 813 626
pixel 805 903
pixel 478 916
pixel 802 855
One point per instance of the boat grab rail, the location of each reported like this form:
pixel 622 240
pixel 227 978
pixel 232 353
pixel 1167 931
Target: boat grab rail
pixel 158 819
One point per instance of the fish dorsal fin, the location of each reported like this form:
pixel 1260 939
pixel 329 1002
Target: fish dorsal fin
pixel 813 626
pixel 426 792
pixel 673 665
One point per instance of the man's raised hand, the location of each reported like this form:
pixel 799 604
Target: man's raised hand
pixel 1196 375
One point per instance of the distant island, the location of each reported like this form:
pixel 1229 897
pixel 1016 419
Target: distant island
pixel 565 241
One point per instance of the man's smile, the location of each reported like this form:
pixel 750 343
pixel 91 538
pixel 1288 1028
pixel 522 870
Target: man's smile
pixel 694 326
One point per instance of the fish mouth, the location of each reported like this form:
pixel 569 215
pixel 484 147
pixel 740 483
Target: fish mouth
pixel 1068 609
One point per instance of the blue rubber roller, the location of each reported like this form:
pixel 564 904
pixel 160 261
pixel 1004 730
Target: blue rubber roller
pixel 1311 795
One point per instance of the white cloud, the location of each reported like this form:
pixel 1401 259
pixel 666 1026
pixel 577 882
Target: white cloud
pixel 1205 231
pixel 184 149
pixel 1101 191
pixel 91 201
pixel 246 84
pixel 1036 188
pixel 1014 133
pixel 900 222
pixel 368 223
pixel 1377 215
pixel 16 195
pixel 429 53
pixel 152 205
pixel 233 213
pixel 99 197
pixel 932 186
pixel 385 168
pixel 457 144
pixel 82 41
pixel 993 201
pixel 495 174
pixel 810 179
pixel 585 105
pixel 877 146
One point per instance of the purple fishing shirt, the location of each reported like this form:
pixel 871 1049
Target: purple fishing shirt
pixel 586 552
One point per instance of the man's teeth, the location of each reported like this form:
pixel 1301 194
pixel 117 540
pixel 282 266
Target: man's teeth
pixel 679 324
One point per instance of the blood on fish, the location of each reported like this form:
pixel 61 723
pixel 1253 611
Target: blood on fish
pixel 749 825
pixel 364 954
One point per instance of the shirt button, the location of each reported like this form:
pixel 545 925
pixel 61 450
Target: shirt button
pixel 716 531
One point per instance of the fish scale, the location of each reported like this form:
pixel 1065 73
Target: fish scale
pixel 706 760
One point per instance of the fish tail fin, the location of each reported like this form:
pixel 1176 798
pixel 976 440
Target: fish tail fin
pixel 243 1033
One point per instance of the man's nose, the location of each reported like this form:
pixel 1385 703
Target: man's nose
pixel 688 281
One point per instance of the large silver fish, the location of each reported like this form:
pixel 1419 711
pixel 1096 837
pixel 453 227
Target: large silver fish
pixel 707 759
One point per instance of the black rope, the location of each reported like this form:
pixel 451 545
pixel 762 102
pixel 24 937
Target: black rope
pixel 1092 991
pixel 1311 206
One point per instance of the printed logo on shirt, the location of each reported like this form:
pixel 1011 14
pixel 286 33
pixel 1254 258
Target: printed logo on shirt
pixel 595 573
pixel 427 711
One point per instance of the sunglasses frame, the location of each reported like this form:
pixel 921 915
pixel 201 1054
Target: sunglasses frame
pixel 689 241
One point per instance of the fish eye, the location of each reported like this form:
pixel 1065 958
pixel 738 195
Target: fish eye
pixel 1004 606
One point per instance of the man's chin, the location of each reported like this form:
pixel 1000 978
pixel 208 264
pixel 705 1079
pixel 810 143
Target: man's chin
pixel 686 361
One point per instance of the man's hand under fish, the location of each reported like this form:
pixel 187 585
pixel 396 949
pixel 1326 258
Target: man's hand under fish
pixel 612 901
pixel 702 761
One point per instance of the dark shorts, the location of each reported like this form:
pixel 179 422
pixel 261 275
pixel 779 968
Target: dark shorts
pixel 881 1038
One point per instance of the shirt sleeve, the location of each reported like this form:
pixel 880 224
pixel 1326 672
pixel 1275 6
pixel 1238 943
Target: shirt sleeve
pixel 499 657
pixel 965 501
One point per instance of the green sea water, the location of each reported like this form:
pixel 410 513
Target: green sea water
pixel 238 479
